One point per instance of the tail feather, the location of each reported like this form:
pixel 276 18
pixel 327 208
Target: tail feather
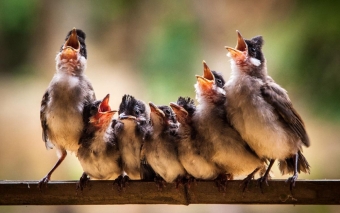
pixel 287 166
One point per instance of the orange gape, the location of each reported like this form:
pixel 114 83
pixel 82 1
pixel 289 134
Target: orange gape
pixel 69 53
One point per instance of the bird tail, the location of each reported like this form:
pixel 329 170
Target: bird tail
pixel 287 166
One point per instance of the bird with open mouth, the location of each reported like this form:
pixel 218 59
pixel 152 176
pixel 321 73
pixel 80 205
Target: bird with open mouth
pixel 98 153
pixel 61 111
pixel 223 144
pixel 261 111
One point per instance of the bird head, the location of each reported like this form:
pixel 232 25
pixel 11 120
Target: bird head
pixel 182 115
pixel 248 55
pixel 131 109
pixel 102 113
pixel 163 117
pixel 208 87
pixel 72 55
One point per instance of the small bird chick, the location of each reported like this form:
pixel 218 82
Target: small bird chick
pixel 187 139
pixel 226 147
pixel 61 111
pixel 160 145
pixel 261 111
pixel 98 153
pixel 131 128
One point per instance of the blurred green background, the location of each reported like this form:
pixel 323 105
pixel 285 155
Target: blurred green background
pixel 152 50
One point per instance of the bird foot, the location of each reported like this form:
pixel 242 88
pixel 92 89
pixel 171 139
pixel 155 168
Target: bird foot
pixel 188 181
pixel 292 181
pixel 263 179
pixel 121 182
pixel 246 181
pixel 222 181
pixel 182 181
pixel 160 182
pixel 44 182
pixel 83 181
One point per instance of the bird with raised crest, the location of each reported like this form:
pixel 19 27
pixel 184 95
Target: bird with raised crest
pixel 132 126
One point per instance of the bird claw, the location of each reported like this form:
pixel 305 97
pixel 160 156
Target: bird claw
pixel 82 183
pixel 292 181
pixel 261 180
pixel 246 181
pixel 222 181
pixel 160 182
pixel 44 182
pixel 121 182
pixel 188 181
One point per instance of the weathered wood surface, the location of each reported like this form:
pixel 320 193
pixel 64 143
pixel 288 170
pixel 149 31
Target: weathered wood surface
pixel 138 192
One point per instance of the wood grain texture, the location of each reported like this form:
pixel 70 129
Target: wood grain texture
pixel 309 192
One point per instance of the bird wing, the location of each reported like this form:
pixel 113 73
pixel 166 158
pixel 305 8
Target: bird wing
pixel 90 95
pixel 43 120
pixel 278 98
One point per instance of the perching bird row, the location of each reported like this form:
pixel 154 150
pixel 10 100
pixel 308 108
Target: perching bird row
pixel 235 129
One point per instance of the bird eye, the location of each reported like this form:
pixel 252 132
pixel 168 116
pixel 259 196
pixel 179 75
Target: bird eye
pixel 137 112
pixel 253 49
pixel 219 81
pixel 167 112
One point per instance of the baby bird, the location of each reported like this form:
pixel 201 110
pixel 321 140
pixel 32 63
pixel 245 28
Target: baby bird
pixel 131 128
pixel 187 139
pixel 98 153
pixel 160 145
pixel 223 144
pixel 61 111
pixel 261 111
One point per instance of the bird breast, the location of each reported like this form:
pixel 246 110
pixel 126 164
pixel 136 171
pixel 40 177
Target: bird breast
pixel 256 120
pixel 64 112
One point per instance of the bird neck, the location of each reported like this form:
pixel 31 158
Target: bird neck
pixel 73 67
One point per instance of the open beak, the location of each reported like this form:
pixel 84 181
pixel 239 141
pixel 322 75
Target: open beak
pixel 241 44
pixel 104 106
pixel 72 41
pixel 207 72
pixel 180 112
pixel 240 52
pixel 104 114
pixel 71 46
pixel 205 84
pixel 206 81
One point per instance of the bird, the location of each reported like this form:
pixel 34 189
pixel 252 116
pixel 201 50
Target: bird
pixel 61 111
pixel 223 144
pixel 159 148
pixel 189 155
pixel 132 126
pixel 261 111
pixel 98 153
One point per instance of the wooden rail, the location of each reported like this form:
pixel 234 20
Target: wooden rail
pixel 137 192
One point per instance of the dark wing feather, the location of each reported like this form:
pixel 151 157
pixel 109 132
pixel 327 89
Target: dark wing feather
pixel 278 98
pixel 44 126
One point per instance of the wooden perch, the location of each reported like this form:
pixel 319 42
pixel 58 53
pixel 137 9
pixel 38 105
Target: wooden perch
pixel 138 192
